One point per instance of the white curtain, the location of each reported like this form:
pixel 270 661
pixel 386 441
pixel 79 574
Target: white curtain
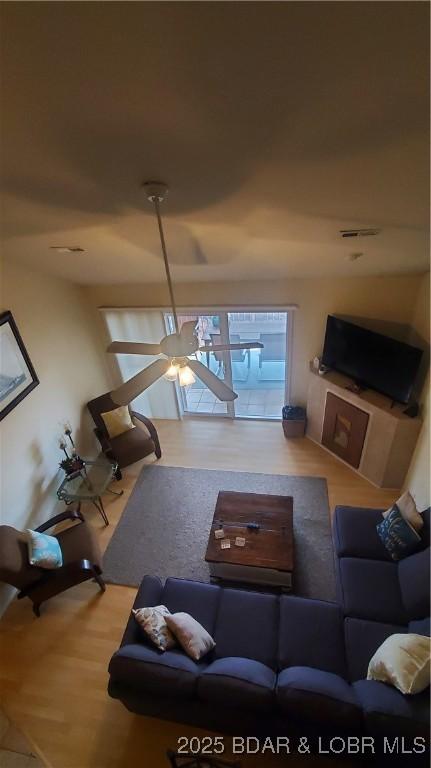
pixel 158 401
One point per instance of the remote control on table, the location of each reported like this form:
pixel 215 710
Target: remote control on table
pixel 253 526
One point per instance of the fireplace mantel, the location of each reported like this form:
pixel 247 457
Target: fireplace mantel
pixel 390 436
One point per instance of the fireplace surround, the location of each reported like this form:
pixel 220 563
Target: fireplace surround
pixel 365 430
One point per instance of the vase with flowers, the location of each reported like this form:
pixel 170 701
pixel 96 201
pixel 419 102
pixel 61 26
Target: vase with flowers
pixel 72 463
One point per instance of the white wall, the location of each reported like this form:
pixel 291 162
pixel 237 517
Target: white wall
pixel 60 336
pixel 418 476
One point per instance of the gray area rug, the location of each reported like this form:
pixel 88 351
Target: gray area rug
pixel 165 526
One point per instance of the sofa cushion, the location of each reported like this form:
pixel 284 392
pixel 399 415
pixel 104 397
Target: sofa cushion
pixel 321 697
pixel 389 712
pixel 420 627
pixel 414 580
pixel 131 446
pixel 355 534
pixel 247 626
pixel 194 597
pixel 311 635
pixel 238 682
pixel 171 673
pixel 362 639
pixel 371 590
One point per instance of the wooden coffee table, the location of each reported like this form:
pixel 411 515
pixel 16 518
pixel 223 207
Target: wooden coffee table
pixel 267 557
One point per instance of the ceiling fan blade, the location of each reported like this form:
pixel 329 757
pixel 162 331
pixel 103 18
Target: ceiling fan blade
pixel 218 387
pixel 224 347
pixel 188 329
pixel 127 392
pixel 134 348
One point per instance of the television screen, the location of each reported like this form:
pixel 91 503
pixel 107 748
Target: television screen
pixel 371 359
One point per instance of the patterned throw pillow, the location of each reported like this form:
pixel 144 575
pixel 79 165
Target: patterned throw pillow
pixel 192 636
pixel 407 507
pixel 153 622
pixel 398 536
pixel 402 661
pixel 43 551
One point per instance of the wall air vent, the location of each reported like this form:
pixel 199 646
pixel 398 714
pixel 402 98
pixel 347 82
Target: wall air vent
pixel 359 232
pixel 67 248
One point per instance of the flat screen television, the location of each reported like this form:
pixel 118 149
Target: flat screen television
pixel 371 359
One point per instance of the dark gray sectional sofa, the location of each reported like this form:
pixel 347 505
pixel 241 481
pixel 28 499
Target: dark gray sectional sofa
pixel 380 598
pixel 285 664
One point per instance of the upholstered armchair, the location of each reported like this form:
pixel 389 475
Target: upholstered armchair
pixel 81 560
pixel 130 446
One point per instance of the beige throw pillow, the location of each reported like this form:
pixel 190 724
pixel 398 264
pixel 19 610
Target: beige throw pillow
pixel 118 421
pixel 153 622
pixel 192 636
pixel 408 510
pixel 402 661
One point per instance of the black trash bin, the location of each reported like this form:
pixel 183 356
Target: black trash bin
pixel 294 421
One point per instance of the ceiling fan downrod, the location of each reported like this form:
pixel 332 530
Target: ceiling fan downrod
pixel 156 192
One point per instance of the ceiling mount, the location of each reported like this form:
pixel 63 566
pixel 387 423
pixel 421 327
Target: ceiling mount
pixel 155 190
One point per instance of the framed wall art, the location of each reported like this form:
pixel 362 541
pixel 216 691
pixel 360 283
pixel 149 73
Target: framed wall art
pixel 17 375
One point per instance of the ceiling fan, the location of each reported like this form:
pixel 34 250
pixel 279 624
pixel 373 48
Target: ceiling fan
pixel 177 348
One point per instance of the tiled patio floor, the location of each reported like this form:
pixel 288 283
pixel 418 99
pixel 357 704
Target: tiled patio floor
pixel 260 392
pixel 264 402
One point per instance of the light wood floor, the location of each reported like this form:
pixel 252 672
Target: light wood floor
pixel 54 669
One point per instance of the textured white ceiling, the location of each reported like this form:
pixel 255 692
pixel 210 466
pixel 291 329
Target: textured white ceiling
pixel 275 125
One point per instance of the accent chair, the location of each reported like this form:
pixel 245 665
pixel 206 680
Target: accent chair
pixel 82 560
pixel 130 446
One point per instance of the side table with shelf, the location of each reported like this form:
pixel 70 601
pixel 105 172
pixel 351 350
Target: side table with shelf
pixel 89 484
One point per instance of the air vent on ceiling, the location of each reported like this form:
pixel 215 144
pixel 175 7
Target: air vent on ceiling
pixel 67 248
pixel 359 232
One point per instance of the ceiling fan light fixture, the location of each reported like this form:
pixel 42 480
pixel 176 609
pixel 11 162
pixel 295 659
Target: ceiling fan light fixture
pixel 186 376
pixel 172 372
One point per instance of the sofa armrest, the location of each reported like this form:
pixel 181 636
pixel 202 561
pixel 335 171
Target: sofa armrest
pixel 151 429
pixel 355 535
pixel 59 579
pixel 311 635
pixel 68 514
pixel 149 594
pixel 103 440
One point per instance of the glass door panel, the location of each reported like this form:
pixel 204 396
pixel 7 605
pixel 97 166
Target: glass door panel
pixel 259 375
pixel 197 398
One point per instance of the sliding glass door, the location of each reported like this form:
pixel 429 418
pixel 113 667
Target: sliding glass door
pixel 258 376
